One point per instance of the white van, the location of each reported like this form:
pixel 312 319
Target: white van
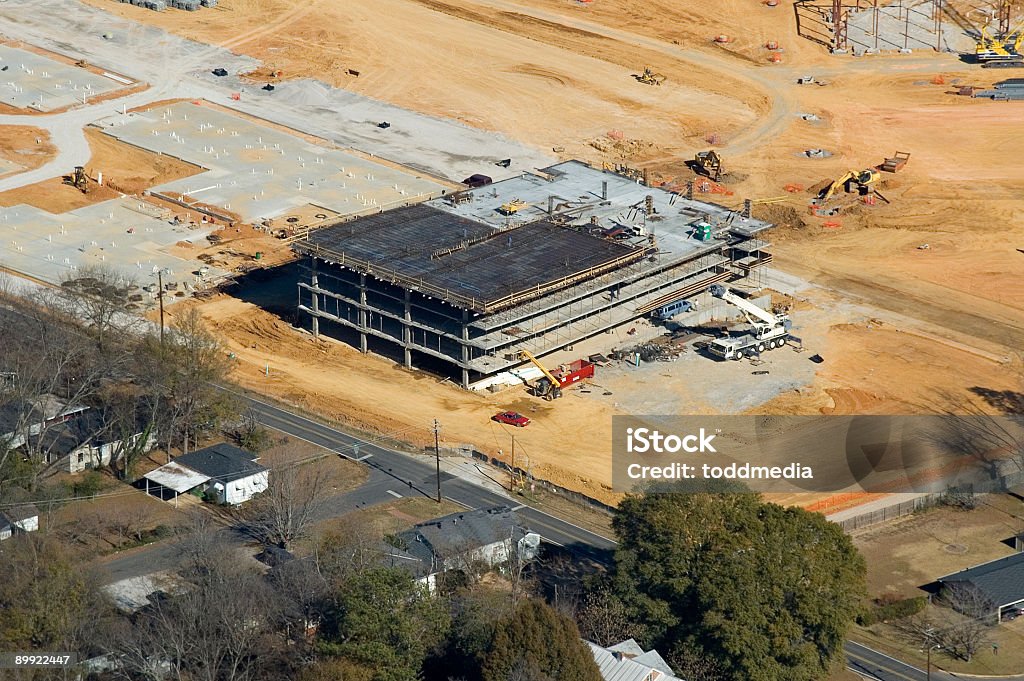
pixel 666 312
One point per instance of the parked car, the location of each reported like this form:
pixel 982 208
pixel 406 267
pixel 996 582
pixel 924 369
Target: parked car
pixel 512 418
pixel 1013 613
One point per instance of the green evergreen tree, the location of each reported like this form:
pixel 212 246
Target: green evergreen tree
pixel 539 644
pixel 385 621
pixel 767 592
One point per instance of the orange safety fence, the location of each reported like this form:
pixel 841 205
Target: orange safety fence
pixel 842 500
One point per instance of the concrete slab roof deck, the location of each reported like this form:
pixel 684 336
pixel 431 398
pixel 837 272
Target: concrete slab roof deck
pixel 33 81
pixel 581 200
pixel 258 171
pixel 463 261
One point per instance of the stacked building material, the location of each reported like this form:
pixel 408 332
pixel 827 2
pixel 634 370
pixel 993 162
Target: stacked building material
pixel 1009 89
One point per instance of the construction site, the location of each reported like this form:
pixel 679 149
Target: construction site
pixel 535 263
pixel 380 206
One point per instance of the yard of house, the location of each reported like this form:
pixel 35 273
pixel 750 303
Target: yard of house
pixel 913 551
pixel 907 554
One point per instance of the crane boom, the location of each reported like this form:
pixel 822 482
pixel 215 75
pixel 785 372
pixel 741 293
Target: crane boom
pixel 536 362
pixel 749 309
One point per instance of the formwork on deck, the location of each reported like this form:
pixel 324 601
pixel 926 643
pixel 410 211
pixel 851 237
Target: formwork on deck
pixel 465 263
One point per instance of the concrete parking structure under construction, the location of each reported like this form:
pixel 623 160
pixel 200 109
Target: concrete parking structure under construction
pixel 463 284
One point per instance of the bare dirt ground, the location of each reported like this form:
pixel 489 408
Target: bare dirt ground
pixel 126 169
pixel 559 73
pixel 24 146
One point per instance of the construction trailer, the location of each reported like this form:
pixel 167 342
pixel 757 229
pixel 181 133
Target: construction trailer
pixel 461 287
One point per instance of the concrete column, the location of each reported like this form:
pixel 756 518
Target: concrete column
pixel 465 349
pixel 315 283
pixel 362 313
pixel 407 331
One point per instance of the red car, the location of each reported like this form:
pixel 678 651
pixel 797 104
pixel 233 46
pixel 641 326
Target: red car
pixel 512 418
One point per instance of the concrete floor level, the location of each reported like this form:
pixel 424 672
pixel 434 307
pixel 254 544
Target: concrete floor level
pixel 31 81
pixel 545 279
pixel 256 171
pixel 129 237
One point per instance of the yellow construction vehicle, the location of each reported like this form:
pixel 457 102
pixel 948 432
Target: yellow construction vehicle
pixel 708 163
pixel 548 387
pixel 649 77
pixel 78 180
pixel 863 180
pixel 512 207
pixel 748 204
pixel 989 49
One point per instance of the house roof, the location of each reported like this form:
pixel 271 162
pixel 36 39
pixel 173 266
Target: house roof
pixel 1001 581
pixel 617 665
pixel 221 462
pixel 18 513
pixel 458 532
pixel 631 649
pixel 176 477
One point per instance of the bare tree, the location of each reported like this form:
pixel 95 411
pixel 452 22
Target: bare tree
pixel 193 364
pixel 289 506
pixel 967 630
pixel 97 296
pixel 604 619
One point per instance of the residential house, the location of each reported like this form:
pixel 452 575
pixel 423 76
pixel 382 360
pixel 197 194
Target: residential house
pixel 81 442
pixel 18 520
pixel 23 419
pixel 225 474
pixel 997 586
pixel 627 661
pixel 460 541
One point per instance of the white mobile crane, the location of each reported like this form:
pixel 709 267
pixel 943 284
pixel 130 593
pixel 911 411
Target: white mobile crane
pixel 770 331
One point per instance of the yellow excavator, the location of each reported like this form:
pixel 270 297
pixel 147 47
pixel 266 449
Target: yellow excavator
pixel 863 180
pixel 649 77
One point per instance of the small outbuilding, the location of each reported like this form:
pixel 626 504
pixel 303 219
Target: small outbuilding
pixel 18 520
pixel 224 473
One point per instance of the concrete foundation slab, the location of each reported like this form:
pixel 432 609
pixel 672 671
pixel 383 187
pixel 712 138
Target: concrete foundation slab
pixel 32 81
pixel 258 172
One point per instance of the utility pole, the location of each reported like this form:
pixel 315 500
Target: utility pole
pixel 512 469
pixel 160 294
pixel 437 456
pixel 931 647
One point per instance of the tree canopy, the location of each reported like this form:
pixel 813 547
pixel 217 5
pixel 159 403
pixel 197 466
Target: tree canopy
pixel 385 621
pixel 767 592
pixel 538 643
